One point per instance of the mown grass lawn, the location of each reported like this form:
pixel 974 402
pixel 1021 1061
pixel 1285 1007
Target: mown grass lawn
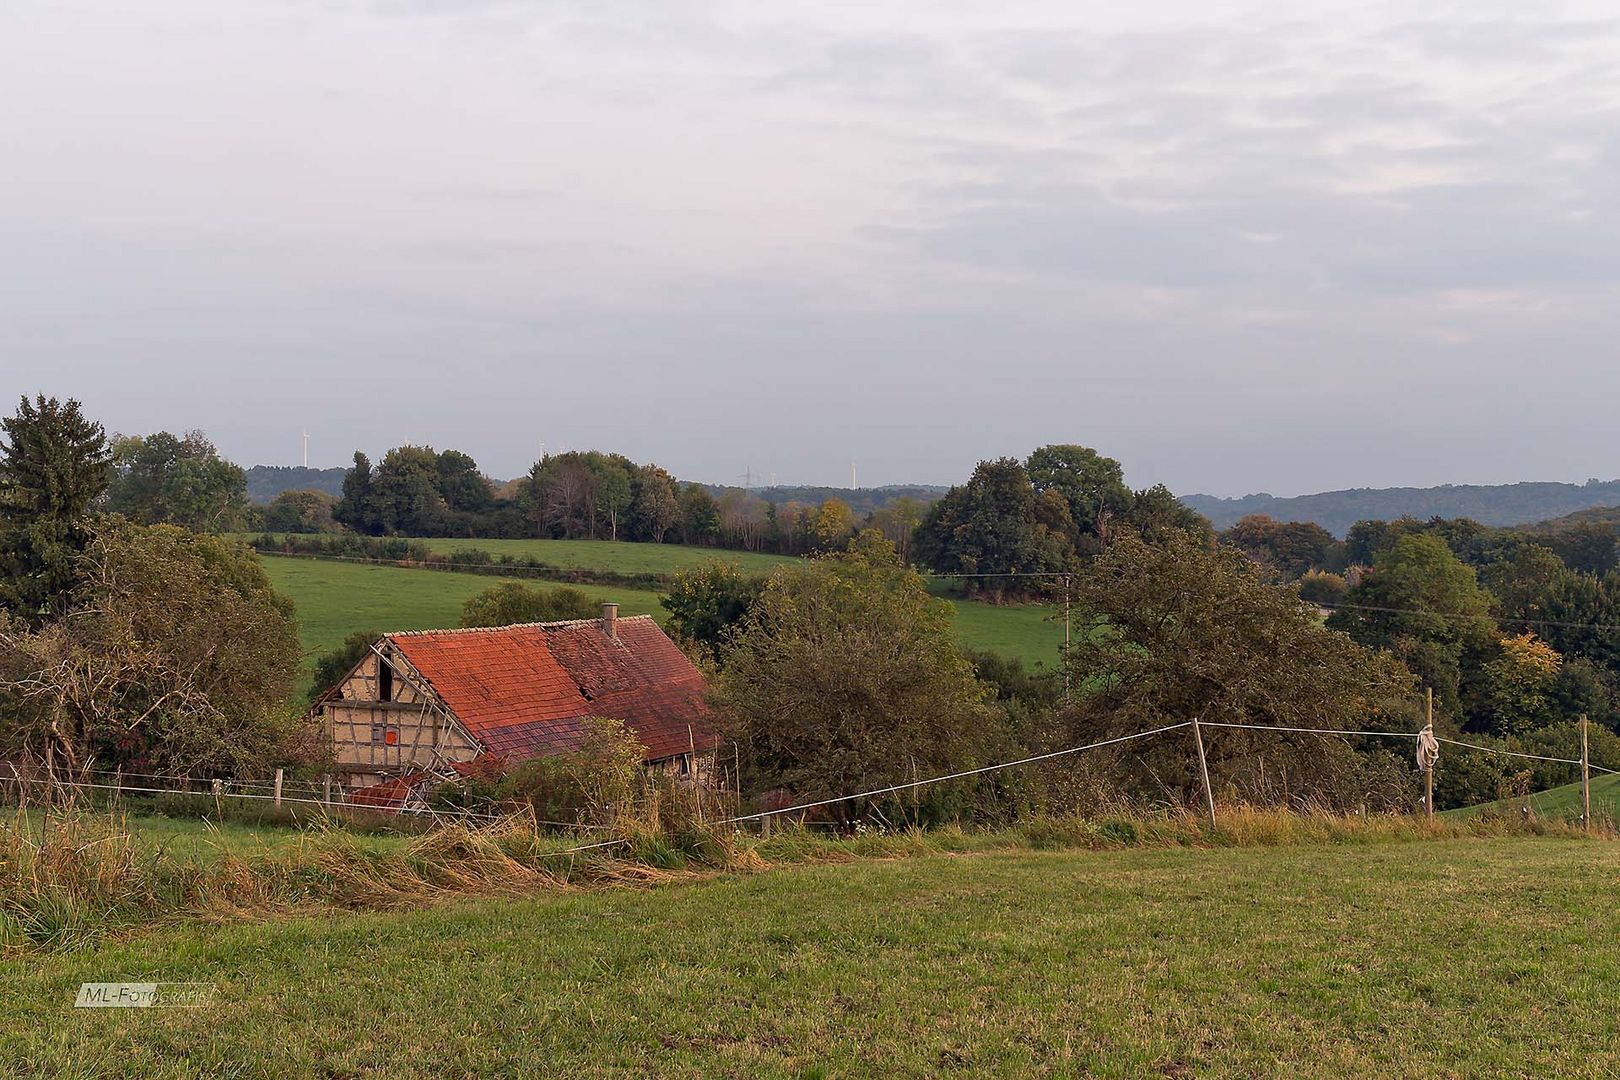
pixel 1451 958
pixel 335 599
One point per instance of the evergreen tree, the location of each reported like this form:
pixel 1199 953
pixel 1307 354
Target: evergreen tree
pixel 358 507
pixel 53 467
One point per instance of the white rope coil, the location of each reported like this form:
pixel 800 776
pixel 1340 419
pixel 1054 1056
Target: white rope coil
pixel 1428 748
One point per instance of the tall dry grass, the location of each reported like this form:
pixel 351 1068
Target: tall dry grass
pixel 70 876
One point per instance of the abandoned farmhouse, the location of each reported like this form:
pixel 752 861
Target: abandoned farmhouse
pixel 422 703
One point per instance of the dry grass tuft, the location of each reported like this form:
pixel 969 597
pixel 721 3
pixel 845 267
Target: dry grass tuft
pixel 68 876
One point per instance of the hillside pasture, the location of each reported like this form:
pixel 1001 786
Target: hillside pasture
pixel 1450 957
pixel 1560 803
pixel 618 557
pixel 334 599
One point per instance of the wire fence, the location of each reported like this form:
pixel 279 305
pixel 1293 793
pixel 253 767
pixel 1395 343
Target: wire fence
pixel 336 801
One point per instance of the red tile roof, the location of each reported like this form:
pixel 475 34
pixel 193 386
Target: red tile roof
pixel 526 690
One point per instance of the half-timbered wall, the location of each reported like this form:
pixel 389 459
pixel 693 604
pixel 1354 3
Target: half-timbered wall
pixel 383 724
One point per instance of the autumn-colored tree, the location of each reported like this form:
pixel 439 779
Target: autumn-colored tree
pixel 897 520
pixel 833 524
pixel 1291 548
pixel 1519 686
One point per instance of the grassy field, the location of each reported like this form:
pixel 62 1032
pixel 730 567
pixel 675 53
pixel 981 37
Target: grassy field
pixel 622 558
pixel 1559 802
pixel 1453 958
pixel 335 599
pixel 195 838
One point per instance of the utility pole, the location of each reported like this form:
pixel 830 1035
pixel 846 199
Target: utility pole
pixel 852 484
pixel 306 448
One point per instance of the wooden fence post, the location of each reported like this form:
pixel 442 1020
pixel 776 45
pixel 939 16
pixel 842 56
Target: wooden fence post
pixel 326 789
pixel 1428 771
pixel 1586 779
pixel 1203 767
pixel 278 789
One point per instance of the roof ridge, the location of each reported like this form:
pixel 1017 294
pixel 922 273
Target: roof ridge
pixel 556 624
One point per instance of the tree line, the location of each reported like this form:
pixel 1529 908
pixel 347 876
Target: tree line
pixel 128 634
pixel 416 491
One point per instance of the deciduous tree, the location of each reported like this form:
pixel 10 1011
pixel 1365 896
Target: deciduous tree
pixel 165 480
pixel 845 676
pixel 1182 631
pixel 513 602
pixel 179 657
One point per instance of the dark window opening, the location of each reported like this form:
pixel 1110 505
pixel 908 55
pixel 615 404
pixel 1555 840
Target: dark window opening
pixel 385 681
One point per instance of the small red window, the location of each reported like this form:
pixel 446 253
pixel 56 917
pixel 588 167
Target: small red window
pixel 391 737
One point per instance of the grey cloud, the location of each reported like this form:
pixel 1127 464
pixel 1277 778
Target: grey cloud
pixel 728 235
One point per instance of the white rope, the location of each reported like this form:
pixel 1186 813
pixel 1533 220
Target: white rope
pixel 953 776
pixel 1508 753
pixel 1403 735
pixel 1308 730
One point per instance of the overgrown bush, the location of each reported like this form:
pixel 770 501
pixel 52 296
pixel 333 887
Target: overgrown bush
pixel 513 602
pixel 598 782
pixel 176 655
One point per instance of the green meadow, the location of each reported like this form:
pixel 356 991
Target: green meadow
pixel 1455 957
pixel 334 599
pixel 1559 802
pixel 619 557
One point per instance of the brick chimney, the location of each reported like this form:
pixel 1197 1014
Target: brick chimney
pixel 610 620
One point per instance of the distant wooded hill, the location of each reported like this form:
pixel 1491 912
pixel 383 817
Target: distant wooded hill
pixel 1489 504
pixel 861 500
pixel 265 482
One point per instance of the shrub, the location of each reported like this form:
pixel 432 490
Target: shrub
pixel 513 602
pixel 597 783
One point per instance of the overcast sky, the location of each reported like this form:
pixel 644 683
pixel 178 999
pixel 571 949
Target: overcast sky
pixel 1283 247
